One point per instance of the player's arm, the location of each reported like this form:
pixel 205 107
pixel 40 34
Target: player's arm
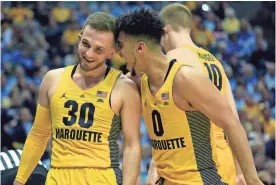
pixel 131 116
pixel 206 98
pixel 152 174
pixel 39 135
pixel 230 98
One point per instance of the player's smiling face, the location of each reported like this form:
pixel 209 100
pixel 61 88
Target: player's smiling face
pixel 94 47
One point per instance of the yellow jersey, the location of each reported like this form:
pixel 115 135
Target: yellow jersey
pixel 214 70
pixel 84 128
pixel 182 142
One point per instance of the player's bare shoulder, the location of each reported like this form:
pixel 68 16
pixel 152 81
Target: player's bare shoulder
pixel 51 80
pixel 54 74
pixel 136 79
pixel 187 76
pixel 124 90
pixel 124 83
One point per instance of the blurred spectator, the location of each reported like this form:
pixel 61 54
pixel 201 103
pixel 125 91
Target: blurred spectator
pixel 240 97
pixel 260 53
pixel 252 108
pixel 41 13
pixel 202 36
pixel 270 75
pixel 61 14
pixel 120 8
pixel 191 5
pixel 220 10
pixel 82 12
pixel 20 13
pixel 210 21
pixel 246 37
pixel 234 47
pixel 219 34
pixel 268 123
pixel 71 34
pixel 230 23
pixel 7 34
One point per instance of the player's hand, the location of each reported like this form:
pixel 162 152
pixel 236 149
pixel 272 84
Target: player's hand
pixel 256 182
pixel 240 180
pixel 17 183
pixel 152 176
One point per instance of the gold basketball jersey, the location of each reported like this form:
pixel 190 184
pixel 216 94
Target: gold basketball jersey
pixel 84 128
pixel 182 142
pixel 214 70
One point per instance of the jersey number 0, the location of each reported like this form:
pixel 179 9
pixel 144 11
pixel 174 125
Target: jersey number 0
pixel 157 123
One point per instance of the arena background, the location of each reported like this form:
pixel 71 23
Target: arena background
pixel 40 36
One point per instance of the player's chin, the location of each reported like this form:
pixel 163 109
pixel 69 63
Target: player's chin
pixel 87 66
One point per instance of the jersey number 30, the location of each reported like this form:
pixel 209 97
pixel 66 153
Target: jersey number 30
pixel 69 121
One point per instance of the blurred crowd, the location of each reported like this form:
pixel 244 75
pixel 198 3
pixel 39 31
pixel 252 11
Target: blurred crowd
pixel 40 36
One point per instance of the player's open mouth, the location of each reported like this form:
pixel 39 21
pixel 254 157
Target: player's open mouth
pixel 88 61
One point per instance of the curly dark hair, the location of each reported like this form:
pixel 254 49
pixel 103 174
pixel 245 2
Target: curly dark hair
pixel 142 23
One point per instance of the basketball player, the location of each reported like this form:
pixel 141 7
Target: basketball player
pixel 178 44
pixel 178 103
pixel 84 107
pixel 9 166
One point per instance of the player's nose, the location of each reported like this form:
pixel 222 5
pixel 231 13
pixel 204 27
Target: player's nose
pixel 90 55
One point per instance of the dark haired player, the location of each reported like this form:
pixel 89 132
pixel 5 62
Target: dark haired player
pixel 179 104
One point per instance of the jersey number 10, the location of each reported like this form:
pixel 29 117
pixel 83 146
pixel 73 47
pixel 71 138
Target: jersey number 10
pixel 214 75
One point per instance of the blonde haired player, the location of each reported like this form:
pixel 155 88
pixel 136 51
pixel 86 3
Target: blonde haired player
pixel 84 108
pixel 178 44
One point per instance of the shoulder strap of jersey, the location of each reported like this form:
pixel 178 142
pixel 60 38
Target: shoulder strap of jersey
pixel 144 84
pixel 111 76
pixel 173 70
pixel 110 80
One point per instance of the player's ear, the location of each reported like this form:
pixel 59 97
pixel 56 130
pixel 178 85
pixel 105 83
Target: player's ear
pixel 166 29
pixel 140 46
pixel 79 37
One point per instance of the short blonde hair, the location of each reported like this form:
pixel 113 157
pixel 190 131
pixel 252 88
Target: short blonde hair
pixel 176 15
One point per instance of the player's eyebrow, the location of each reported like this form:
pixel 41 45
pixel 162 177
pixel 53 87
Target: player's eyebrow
pixel 85 40
pixel 98 46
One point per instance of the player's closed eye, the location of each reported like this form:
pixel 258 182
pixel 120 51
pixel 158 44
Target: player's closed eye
pixel 99 50
pixel 85 44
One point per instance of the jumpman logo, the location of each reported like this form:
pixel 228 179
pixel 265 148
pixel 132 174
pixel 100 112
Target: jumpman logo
pixel 145 103
pixel 63 96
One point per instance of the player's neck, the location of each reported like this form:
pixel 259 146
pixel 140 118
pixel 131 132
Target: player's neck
pixel 97 73
pixel 157 68
pixel 180 38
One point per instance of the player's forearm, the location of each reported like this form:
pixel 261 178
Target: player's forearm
pixel 238 168
pixel 242 151
pixel 35 144
pixel 33 150
pixel 131 164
